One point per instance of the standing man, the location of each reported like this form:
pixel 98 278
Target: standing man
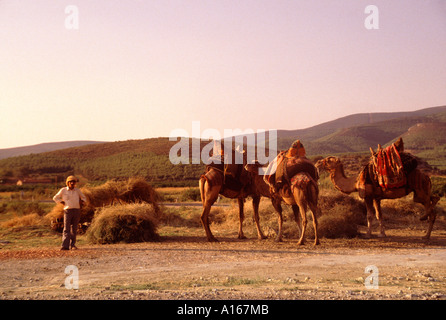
pixel 72 198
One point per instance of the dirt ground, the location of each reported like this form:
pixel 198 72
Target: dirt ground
pixel 180 268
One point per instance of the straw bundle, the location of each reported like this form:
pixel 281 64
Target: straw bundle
pixel 132 190
pixel 135 222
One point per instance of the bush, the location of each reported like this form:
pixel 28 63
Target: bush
pixel 128 223
pixel 341 225
pixel 439 186
pixel 190 194
pixel 340 216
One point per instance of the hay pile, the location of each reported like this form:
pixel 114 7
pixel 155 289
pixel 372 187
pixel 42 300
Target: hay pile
pixel 133 190
pixel 134 222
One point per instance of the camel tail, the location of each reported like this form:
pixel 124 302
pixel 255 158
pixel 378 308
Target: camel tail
pixel 313 192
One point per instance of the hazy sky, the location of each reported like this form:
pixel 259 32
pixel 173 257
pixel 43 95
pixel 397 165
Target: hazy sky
pixel 140 69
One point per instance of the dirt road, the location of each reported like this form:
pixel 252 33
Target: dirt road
pixel 402 267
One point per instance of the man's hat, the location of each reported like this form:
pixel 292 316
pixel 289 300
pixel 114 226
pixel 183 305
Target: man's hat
pixel 71 178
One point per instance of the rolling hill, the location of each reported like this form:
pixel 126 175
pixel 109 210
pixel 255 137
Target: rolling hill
pixel 355 133
pixel 42 147
pixel 148 158
pixel 325 128
pixel 423 131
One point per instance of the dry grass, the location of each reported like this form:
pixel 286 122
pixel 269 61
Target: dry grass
pixel 32 219
pixel 135 222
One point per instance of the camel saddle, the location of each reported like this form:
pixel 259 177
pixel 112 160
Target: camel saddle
pixel 387 169
pixel 232 176
pixel 286 168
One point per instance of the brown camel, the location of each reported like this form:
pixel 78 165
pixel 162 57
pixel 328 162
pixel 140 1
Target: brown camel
pixel 417 182
pixel 213 183
pixel 264 190
pixel 301 193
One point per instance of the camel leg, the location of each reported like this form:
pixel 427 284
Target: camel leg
pixel 370 214
pixel 314 210
pixel 297 217
pixel 429 207
pixel 205 223
pixel 301 203
pixel 241 215
pixel 429 211
pixel 255 206
pixel 209 196
pixel 278 207
pixel 378 213
pixel 431 220
pixel 423 195
pixel 303 215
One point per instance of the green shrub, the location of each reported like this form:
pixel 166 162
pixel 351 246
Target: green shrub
pixel 190 194
pixel 439 186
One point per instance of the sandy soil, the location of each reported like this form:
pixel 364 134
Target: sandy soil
pixel 405 267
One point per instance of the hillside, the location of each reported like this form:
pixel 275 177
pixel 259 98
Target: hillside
pixel 423 131
pixel 148 158
pixel 42 147
pixel 360 138
pixel 330 127
pixel 428 141
pixel 355 133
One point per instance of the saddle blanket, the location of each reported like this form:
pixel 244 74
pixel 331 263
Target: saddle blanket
pixel 389 168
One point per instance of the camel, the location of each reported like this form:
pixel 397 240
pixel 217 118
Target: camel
pixel 212 184
pixel 417 182
pixel 302 193
pixel 264 190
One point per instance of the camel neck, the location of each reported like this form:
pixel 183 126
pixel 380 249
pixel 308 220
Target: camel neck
pixel 342 182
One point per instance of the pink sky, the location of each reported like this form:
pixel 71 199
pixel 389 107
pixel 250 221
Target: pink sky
pixel 140 69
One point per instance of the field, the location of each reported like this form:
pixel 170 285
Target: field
pixel 182 265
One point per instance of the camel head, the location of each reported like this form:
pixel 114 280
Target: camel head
pixel 329 164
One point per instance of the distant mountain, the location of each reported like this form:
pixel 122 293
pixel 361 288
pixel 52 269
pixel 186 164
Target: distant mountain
pixel 357 132
pixel 42 147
